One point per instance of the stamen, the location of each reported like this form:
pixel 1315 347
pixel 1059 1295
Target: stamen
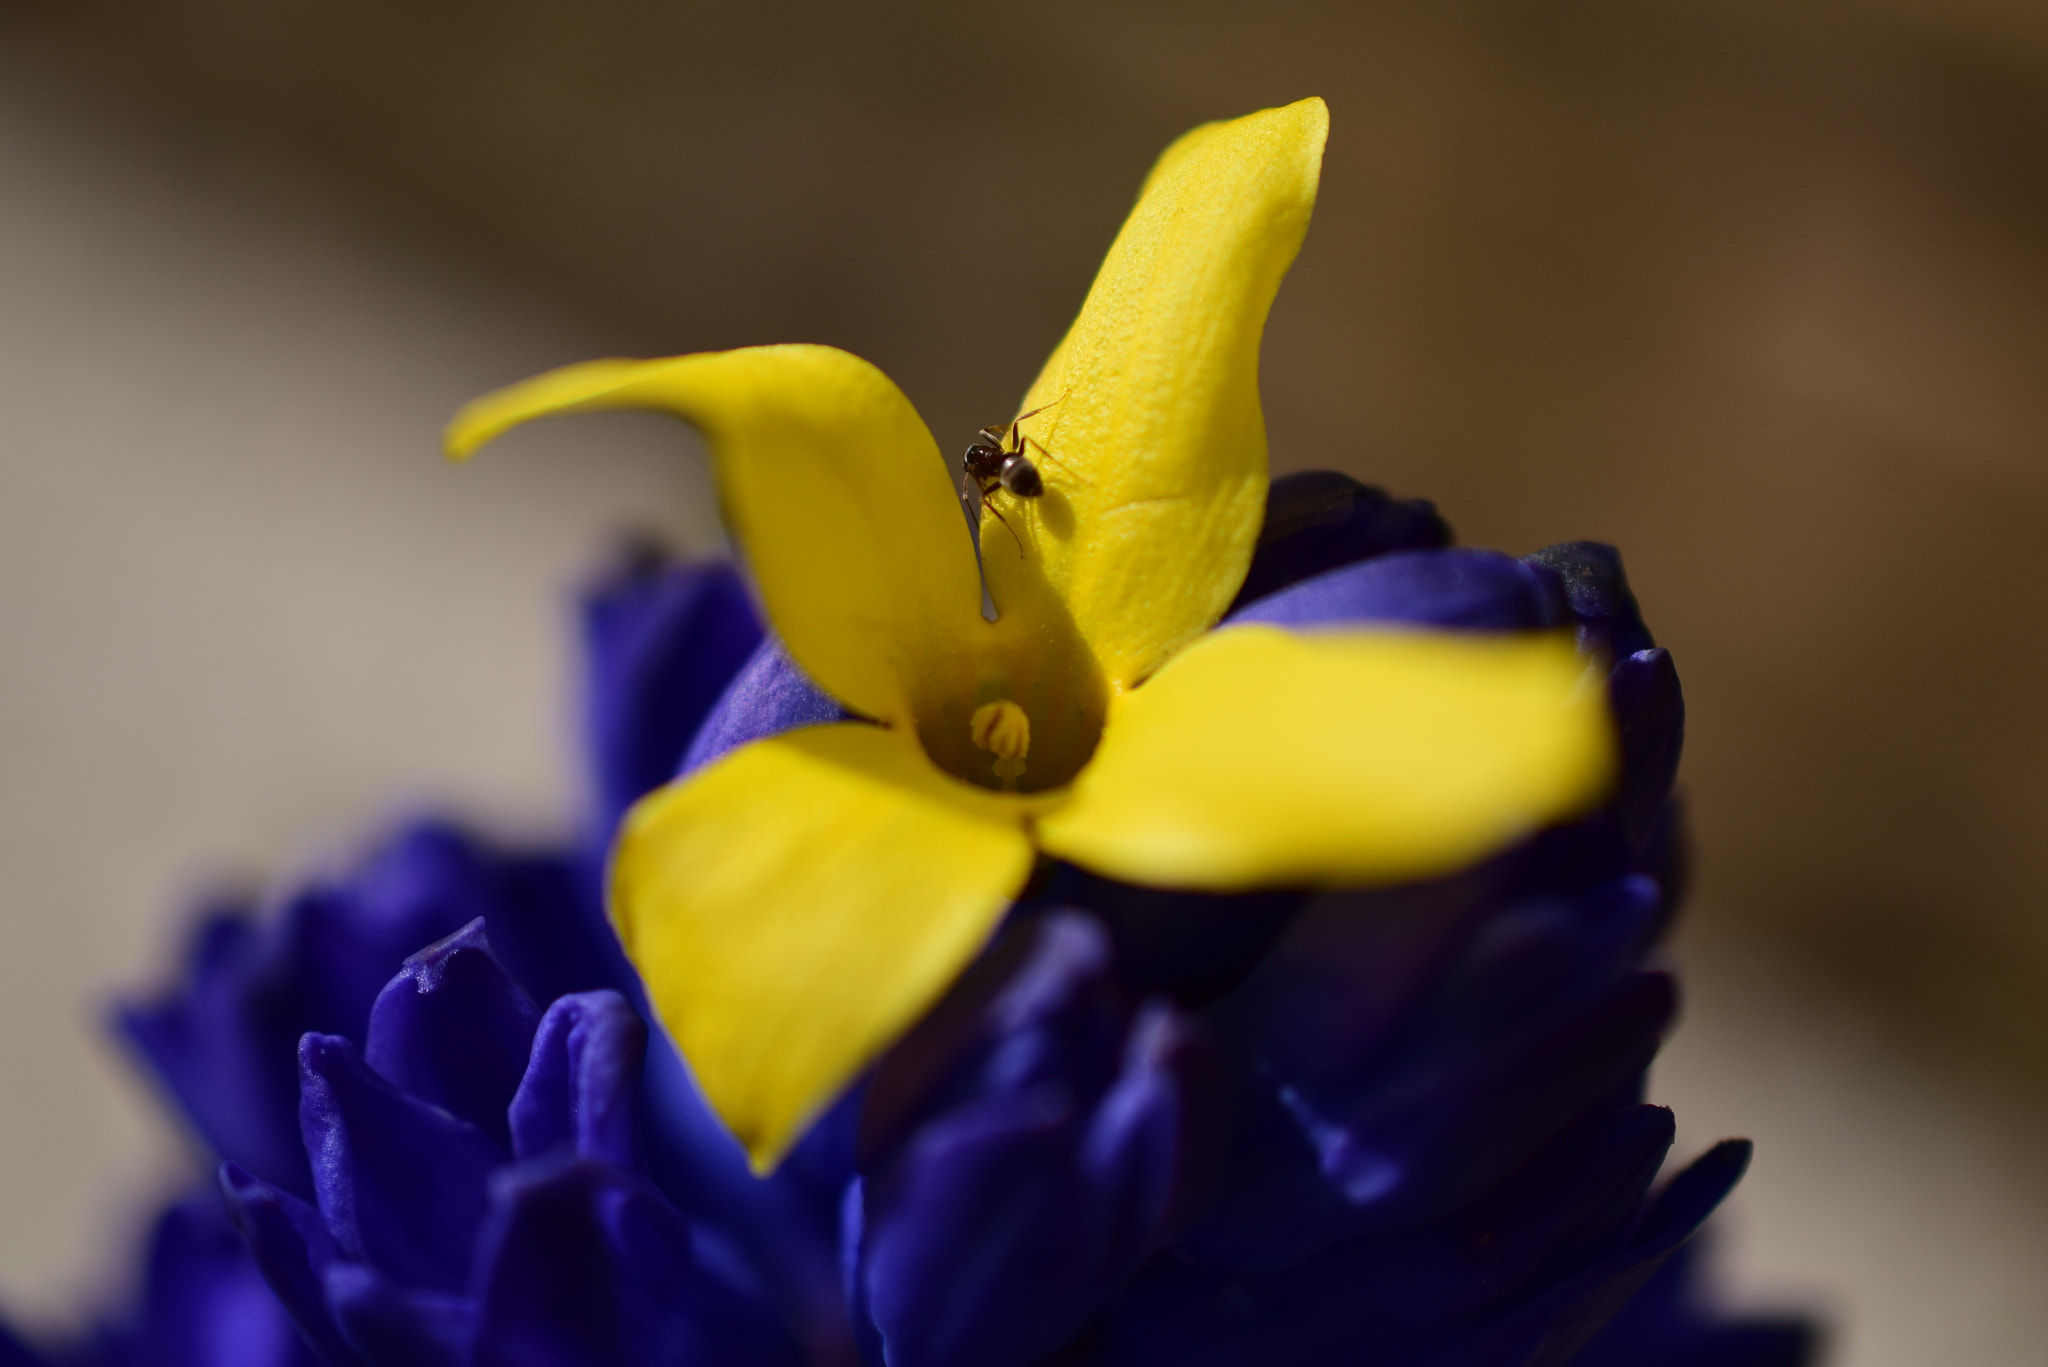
pixel 1002 729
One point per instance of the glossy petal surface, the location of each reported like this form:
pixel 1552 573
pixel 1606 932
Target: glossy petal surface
pixel 832 483
pixel 1156 484
pixel 1261 758
pixel 796 905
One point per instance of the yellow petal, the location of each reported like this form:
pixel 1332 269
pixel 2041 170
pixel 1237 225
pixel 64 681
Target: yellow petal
pixel 832 485
pixel 1157 478
pixel 1262 758
pixel 796 905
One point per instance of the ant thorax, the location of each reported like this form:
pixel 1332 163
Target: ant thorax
pixel 989 466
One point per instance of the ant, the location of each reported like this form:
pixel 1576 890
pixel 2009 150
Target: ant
pixel 998 461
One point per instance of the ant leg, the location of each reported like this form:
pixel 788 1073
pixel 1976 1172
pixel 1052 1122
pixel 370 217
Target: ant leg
pixel 1033 441
pixel 1014 422
pixel 1018 421
pixel 988 502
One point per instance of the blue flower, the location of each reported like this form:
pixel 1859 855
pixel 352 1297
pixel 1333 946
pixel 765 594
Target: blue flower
pixel 1147 1127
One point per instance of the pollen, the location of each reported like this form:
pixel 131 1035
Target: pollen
pixel 1002 729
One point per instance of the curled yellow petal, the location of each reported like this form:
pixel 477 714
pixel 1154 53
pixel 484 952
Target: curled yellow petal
pixel 1150 438
pixel 833 486
pixel 793 907
pixel 1263 758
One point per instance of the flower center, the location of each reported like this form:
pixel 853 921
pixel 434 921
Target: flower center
pixel 1021 713
pixel 1018 704
pixel 1002 729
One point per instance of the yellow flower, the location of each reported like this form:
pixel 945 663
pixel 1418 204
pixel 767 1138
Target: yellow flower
pixel 796 905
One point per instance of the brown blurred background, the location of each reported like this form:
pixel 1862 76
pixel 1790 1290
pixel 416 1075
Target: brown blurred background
pixel 1758 291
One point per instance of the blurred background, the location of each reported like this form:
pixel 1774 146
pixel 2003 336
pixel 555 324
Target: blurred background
pixel 1757 291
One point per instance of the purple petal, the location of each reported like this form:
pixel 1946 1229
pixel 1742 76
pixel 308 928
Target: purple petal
pixel 584 1265
pixel 1150 1151
pixel 1672 1320
pixel 204 1302
pixel 1455 587
pixel 1035 1141
pixel 1550 1329
pixel 292 1250
pixel 1317 520
pixel 453 1029
pixel 660 642
pixel 1649 708
pixel 1540 1217
pixel 1480 1286
pixel 581 1086
pixel 222 1044
pixel 1485 1057
pixel 398 1326
pixel 1609 622
pixel 768 696
pixel 776 1223
pixel 225 1041
pixel 400 1183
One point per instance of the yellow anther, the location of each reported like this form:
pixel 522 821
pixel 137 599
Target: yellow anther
pixel 1002 729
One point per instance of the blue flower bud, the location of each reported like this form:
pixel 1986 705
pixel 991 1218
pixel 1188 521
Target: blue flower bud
pixel 400 1182
pixel 1029 1148
pixel 580 1086
pixel 660 642
pixel 454 1030
pixel 1392 1059
pixel 1317 520
pixel 468 1214
pixel 224 1041
pixel 1610 625
pixel 1649 709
